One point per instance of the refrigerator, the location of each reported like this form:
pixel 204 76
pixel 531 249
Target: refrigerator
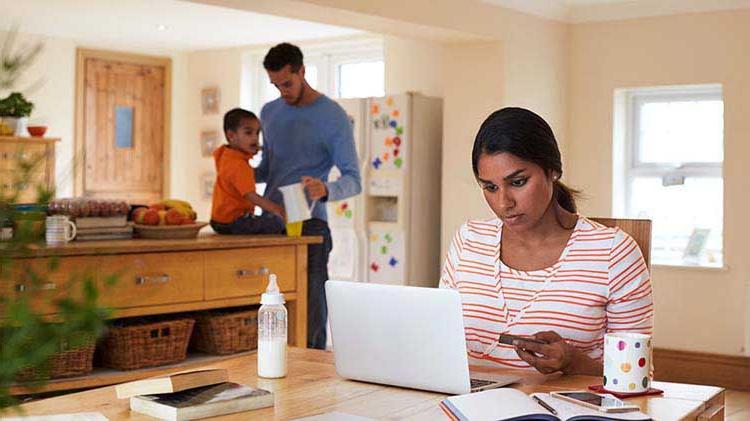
pixel 391 232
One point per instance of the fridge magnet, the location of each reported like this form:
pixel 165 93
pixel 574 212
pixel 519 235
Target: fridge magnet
pixel 374 267
pixel 209 142
pixel 210 100
pixel 207 185
pixel 393 262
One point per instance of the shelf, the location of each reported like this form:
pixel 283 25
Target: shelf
pixel 107 376
pixel 20 139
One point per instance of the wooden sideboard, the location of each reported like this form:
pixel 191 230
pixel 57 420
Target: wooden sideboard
pixel 167 276
pixel 35 150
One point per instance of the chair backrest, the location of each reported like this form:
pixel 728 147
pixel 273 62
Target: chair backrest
pixel 639 229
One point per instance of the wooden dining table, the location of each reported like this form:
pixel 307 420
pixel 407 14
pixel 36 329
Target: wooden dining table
pixel 312 387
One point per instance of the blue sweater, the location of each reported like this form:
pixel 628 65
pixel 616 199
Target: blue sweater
pixel 308 141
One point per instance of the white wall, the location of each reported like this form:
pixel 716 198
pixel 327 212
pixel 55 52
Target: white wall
pixel 696 309
pixel 222 69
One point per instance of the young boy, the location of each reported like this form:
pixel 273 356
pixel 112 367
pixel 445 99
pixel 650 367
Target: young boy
pixel 234 200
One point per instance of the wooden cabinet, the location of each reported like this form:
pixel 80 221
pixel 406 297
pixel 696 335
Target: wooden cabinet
pixel 44 280
pixel 147 279
pixel 38 152
pixel 242 273
pixel 165 276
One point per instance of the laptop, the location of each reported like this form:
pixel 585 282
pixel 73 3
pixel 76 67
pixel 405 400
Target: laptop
pixel 403 336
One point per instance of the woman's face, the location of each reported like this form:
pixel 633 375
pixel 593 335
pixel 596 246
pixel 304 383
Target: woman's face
pixel 518 191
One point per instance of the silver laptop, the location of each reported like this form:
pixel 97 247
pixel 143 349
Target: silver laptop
pixel 403 336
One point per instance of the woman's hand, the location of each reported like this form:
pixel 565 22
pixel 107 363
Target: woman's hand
pixel 555 355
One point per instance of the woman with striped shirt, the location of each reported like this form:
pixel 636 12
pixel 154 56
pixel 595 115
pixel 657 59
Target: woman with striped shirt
pixel 539 269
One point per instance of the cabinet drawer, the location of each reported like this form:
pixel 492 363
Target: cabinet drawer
pixel 153 279
pixel 43 282
pixel 244 272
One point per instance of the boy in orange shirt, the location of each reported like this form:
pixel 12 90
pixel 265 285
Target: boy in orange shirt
pixel 234 199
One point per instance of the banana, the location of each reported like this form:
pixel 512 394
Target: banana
pixel 175 203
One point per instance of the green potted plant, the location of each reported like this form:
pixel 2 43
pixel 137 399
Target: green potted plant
pixel 14 114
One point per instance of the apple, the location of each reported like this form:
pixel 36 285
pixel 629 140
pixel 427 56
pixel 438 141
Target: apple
pixel 174 217
pixel 150 217
pixel 138 214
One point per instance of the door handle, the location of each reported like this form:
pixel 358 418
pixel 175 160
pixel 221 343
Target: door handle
pixel 241 273
pixel 157 279
pixel 48 286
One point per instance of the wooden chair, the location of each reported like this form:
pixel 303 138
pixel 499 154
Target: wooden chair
pixel 639 229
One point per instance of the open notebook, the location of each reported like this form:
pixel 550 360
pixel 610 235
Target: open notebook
pixel 514 405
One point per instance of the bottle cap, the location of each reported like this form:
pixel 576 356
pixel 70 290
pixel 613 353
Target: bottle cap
pixel 272 295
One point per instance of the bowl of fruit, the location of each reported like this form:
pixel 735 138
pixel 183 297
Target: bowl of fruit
pixel 168 219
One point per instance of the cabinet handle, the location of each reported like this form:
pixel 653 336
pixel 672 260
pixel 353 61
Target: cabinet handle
pixel 49 286
pixel 158 279
pixel 247 272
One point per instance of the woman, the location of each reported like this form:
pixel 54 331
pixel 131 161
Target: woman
pixel 539 269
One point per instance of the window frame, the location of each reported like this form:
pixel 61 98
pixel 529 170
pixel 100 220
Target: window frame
pixel 629 103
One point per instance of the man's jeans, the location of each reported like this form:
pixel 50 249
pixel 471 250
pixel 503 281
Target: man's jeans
pixel 317 275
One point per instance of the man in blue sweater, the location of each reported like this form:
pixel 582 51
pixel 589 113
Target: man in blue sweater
pixel 305 134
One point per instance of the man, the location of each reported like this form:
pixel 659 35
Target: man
pixel 305 134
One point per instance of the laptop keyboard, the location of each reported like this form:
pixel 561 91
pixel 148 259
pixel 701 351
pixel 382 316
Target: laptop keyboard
pixel 475 383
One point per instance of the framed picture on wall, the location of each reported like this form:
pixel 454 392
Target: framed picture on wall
pixel 696 244
pixel 207 184
pixel 210 100
pixel 209 142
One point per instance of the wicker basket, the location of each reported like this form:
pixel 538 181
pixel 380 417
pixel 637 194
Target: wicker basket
pixel 225 332
pixel 66 363
pixel 146 343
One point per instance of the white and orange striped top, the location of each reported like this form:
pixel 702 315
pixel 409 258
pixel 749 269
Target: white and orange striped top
pixel 600 284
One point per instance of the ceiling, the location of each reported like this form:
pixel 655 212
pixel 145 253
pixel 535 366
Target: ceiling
pixel 602 10
pixel 167 25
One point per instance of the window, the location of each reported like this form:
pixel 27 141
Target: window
pixel 361 79
pixel 673 151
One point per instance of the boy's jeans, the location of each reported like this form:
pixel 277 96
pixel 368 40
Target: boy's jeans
pixel 317 275
pixel 250 224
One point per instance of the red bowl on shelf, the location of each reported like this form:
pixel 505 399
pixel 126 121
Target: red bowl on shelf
pixel 37 131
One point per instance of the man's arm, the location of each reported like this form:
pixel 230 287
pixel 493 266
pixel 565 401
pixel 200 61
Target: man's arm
pixel 345 159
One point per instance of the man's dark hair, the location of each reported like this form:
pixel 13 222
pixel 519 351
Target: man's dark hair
pixel 234 117
pixel 281 55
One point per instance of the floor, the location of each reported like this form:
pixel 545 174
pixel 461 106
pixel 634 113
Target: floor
pixel 737 405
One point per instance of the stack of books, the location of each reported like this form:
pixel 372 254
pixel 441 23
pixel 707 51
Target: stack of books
pixel 192 395
pixel 103 228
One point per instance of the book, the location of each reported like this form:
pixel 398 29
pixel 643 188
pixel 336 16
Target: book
pixel 202 402
pixel 514 405
pixel 106 230
pixel 101 221
pixel 172 383
pixel 97 237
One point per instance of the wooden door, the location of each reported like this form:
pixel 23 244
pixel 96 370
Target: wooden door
pixel 123 121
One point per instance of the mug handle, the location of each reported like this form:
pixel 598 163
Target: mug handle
pixel 73 231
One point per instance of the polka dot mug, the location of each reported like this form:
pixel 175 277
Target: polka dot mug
pixel 627 362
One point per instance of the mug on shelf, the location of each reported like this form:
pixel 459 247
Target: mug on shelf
pixel 59 229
